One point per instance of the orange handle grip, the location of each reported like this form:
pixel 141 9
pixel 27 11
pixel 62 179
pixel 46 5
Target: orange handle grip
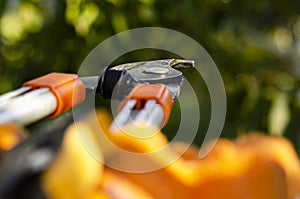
pixel 158 92
pixel 67 88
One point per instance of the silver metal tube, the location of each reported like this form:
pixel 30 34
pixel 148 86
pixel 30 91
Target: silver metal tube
pixel 28 108
pixel 90 83
pixel 157 116
pixel 8 96
pixel 151 114
pixel 123 116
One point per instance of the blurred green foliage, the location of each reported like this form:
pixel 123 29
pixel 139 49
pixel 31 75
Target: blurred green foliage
pixel 255 44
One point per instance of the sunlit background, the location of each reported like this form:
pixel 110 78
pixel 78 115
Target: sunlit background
pixel 255 44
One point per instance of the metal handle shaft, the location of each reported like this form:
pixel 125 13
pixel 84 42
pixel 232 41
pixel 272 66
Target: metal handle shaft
pixel 24 106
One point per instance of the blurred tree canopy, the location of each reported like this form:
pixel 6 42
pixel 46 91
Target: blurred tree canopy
pixel 255 44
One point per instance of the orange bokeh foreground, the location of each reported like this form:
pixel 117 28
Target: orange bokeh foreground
pixel 254 166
